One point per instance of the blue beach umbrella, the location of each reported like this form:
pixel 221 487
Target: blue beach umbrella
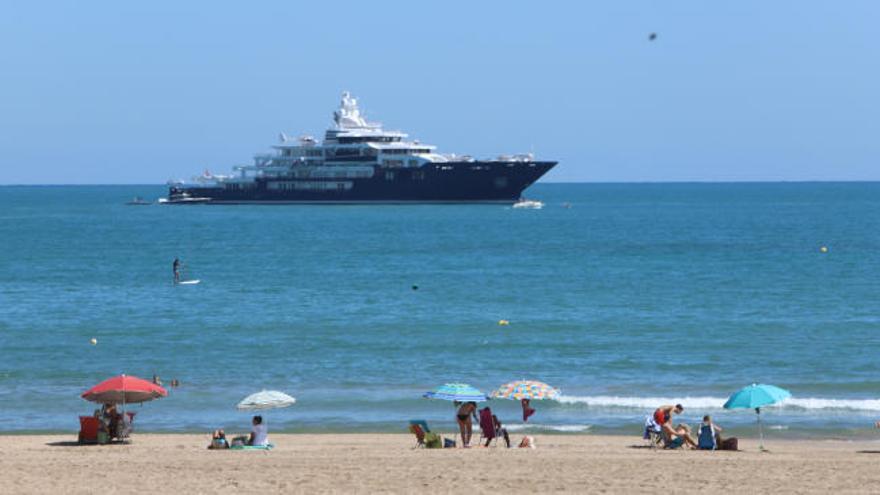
pixel 756 396
pixel 460 392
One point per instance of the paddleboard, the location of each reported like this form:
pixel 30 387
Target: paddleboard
pixel 188 282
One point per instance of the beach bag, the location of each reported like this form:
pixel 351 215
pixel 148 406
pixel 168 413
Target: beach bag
pixel 707 438
pixel 730 444
pixel 448 443
pixel 433 441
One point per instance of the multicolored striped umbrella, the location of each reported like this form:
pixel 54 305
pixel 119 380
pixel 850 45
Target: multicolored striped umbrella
pixel 526 389
pixel 461 392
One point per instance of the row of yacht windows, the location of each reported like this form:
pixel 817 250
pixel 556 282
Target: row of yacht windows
pixel 367 139
pixel 405 151
pixel 344 152
pixel 309 186
pixel 327 173
pixel 400 163
pixel 312 153
pixel 240 186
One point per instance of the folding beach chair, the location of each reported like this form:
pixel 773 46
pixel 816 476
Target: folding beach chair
pixel 490 429
pixel 654 433
pixel 126 427
pixel 419 428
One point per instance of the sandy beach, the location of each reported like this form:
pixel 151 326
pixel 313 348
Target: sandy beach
pixel 347 463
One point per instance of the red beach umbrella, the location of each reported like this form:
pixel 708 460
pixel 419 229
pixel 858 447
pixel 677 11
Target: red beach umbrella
pixel 124 389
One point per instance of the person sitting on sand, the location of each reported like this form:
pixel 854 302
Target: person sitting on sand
pixel 259 432
pixel 527 411
pixel 111 418
pixel 465 412
pixel 680 437
pixel 528 442
pixel 663 418
pixel 709 435
pixel 218 440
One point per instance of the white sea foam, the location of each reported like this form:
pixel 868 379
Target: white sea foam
pixel 806 403
pixel 540 427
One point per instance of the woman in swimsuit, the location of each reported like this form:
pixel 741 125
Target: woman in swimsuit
pixel 465 425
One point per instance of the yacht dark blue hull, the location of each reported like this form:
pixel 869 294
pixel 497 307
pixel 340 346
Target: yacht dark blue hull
pixel 447 182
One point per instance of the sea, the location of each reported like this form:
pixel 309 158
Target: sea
pixel 623 296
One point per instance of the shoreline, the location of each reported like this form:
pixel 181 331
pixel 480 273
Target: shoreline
pixel 343 463
pixel 770 435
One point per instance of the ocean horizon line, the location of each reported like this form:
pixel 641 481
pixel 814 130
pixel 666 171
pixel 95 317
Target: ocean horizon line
pixel 645 182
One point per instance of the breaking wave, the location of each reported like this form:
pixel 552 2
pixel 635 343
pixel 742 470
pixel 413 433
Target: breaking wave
pixel 794 403
pixel 540 427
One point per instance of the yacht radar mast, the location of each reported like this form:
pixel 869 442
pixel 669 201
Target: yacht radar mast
pixel 349 115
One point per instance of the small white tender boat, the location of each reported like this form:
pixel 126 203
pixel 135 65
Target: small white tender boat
pixel 528 204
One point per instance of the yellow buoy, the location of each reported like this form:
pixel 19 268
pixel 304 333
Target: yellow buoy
pixel 94 341
pixel 824 249
pixel 503 322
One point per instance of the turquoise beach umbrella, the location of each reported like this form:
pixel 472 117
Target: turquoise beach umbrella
pixel 461 392
pixel 756 396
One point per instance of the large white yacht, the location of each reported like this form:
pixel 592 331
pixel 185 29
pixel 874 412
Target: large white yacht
pixel 358 161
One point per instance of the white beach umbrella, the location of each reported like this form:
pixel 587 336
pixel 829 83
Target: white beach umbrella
pixel 267 399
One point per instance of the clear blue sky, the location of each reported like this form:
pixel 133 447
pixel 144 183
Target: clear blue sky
pixel 139 92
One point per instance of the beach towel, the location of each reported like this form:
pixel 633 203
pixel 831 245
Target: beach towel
pixel 707 439
pixel 252 447
pixel 433 441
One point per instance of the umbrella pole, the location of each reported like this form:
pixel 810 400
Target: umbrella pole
pixel 118 432
pixel 760 430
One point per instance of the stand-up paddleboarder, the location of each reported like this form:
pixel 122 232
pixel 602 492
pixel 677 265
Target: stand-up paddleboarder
pixel 175 267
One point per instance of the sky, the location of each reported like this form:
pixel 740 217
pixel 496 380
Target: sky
pixel 142 92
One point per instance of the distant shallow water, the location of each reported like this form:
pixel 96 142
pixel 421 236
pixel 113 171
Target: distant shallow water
pixel 624 296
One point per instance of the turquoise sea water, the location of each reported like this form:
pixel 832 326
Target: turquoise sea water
pixel 633 296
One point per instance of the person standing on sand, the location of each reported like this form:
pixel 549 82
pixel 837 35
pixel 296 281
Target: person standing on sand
pixel 465 412
pixel 527 411
pixel 663 418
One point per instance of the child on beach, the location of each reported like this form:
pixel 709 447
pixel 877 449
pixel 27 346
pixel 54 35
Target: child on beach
pixel 218 440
